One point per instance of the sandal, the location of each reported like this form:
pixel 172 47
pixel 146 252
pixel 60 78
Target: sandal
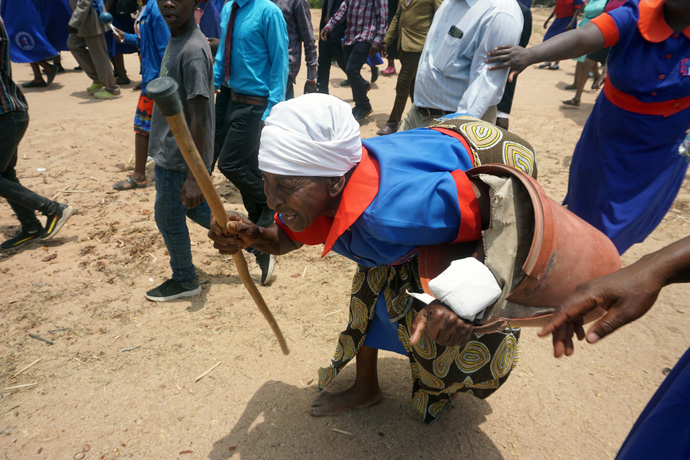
pixel 128 184
pixel 52 73
pixel 544 65
pixel 573 102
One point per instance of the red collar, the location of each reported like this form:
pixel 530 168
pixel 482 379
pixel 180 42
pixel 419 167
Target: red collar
pixel 652 24
pixel 359 192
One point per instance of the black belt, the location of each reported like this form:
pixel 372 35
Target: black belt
pixel 427 112
pixel 251 100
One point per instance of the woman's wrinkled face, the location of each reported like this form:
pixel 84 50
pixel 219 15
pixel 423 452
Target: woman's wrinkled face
pixel 298 200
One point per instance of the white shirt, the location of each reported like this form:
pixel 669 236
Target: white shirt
pixel 452 74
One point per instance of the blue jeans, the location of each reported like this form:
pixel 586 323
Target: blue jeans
pixel 22 200
pixel 171 216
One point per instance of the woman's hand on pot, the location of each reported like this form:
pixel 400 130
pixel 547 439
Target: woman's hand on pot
pixel 441 325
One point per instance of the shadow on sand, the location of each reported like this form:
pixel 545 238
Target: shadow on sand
pixel 276 424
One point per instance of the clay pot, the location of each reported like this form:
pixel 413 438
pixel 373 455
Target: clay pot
pixel 565 251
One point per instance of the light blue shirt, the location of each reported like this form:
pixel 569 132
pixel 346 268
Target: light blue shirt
pixel 452 74
pixel 259 60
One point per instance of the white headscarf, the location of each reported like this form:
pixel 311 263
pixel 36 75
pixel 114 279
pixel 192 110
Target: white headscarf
pixel 310 135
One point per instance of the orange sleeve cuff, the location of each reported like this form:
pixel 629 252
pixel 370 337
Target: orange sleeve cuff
pixel 470 218
pixel 608 27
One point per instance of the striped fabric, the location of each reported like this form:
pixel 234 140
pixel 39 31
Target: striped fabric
pixel 11 97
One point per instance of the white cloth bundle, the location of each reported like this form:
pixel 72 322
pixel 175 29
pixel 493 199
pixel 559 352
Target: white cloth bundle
pixel 310 135
pixel 467 286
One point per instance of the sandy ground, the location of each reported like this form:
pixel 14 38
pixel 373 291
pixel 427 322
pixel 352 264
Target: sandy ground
pixel 89 397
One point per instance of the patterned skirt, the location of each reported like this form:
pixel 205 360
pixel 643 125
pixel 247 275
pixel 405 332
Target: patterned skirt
pixel 438 372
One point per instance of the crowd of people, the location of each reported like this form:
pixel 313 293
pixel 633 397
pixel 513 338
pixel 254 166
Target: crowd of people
pixel 306 177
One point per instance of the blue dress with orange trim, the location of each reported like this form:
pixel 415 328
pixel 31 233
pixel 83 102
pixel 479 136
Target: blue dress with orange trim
pixel 663 428
pixel 626 170
pixel 563 12
pixel 417 201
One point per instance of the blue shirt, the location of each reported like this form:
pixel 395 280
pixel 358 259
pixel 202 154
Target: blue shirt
pixel 420 197
pixel 259 61
pixel 154 35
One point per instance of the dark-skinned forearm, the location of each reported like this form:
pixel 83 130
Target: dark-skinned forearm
pixel 568 45
pixel 671 263
pixel 274 241
pixel 197 122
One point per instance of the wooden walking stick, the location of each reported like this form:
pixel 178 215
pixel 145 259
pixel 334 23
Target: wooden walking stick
pixel 163 91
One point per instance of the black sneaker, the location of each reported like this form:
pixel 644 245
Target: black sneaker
pixel 56 221
pixel 361 112
pixel 171 290
pixel 266 263
pixel 20 240
pixel 374 74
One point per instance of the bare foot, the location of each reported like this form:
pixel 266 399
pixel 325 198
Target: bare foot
pixel 334 403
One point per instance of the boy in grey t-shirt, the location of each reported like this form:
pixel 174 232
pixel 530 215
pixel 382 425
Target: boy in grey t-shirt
pixel 188 60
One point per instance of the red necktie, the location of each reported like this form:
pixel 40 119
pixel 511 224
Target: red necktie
pixel 228 39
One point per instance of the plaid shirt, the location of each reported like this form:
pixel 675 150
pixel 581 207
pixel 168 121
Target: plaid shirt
pixel 299 28
pixel 367 21
pixel 11 97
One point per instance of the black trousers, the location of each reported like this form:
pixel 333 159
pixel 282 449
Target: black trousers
pixel 405 85
pixel 22 200
pixel 328 50
pixel 237 152
pixel 289 89
pixel 356 56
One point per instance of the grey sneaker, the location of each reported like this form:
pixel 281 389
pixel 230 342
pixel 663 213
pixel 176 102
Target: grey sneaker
pixel 56 221
pixel 171 290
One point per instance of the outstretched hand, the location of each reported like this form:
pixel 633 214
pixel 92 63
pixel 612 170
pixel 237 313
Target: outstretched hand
pixel 626 295
pixel 241 233
pixel 508 56
pixel 440 324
